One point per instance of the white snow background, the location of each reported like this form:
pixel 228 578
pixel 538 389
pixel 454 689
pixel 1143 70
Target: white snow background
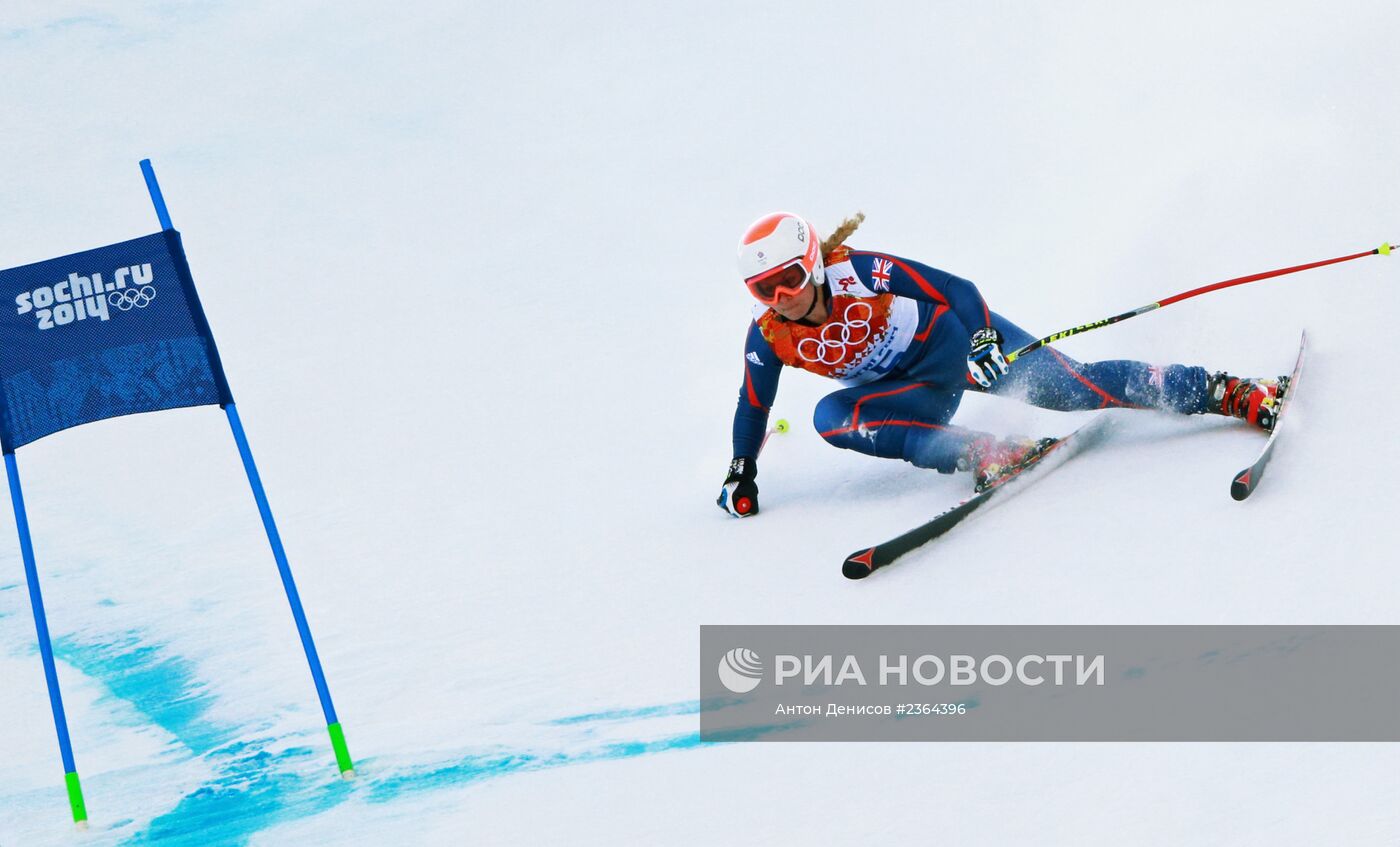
pixel 470 267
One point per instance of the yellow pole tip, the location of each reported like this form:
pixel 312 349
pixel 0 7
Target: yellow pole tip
pixel 782 425
pixel 1385 249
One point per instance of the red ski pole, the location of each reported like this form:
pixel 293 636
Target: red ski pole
pixel 1383 250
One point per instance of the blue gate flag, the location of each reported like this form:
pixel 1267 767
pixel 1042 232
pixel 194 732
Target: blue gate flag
pixel 106 332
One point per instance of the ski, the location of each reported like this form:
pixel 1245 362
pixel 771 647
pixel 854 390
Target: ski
pixel 1248 479
pixel 863 563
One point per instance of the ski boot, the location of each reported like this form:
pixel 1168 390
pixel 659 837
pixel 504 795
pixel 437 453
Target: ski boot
pixel 993 461
pixel 1255 401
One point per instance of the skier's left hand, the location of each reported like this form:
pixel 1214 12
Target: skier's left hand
pixel 985 362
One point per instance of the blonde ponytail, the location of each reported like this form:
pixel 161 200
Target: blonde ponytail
pixel 842 232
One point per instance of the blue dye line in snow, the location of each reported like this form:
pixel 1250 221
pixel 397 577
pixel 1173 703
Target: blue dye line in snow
pixel 160 686
pixel 475 768
pixel 10 587
pixel 254 788
pixel 687 707
pixel 261 790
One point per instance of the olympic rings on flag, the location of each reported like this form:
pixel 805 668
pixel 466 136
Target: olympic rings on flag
pixel 833 345
pixel 132 298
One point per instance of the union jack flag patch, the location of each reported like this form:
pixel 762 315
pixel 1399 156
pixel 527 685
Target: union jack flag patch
pixel 880 274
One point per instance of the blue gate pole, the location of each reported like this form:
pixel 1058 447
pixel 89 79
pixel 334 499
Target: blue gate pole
pixel 41 624
pixel 342 752
pixel 156 197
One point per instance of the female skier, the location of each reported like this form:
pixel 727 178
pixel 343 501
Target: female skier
pixel 907 340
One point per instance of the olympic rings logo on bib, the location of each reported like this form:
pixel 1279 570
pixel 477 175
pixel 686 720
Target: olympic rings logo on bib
pixel 833 345
pixel 132 298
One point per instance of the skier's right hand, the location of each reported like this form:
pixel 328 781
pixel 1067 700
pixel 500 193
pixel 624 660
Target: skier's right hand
pixel 739 496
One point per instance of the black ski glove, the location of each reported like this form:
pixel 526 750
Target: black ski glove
pixel 739 496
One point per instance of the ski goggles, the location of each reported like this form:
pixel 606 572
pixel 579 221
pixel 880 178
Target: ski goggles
pixel 784 281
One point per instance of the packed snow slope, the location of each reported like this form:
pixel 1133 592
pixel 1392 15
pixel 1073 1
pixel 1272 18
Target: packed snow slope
pixel 470 269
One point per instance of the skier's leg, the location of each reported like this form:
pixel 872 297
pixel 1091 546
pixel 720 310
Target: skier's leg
pixel 895 419
pixel 1052 380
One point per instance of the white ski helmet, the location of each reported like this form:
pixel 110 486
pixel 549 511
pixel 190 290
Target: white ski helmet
pixel 773 244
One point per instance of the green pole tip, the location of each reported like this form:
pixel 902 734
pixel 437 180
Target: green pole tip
pixel 348 775
pixel 342 751
pixel 75 799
